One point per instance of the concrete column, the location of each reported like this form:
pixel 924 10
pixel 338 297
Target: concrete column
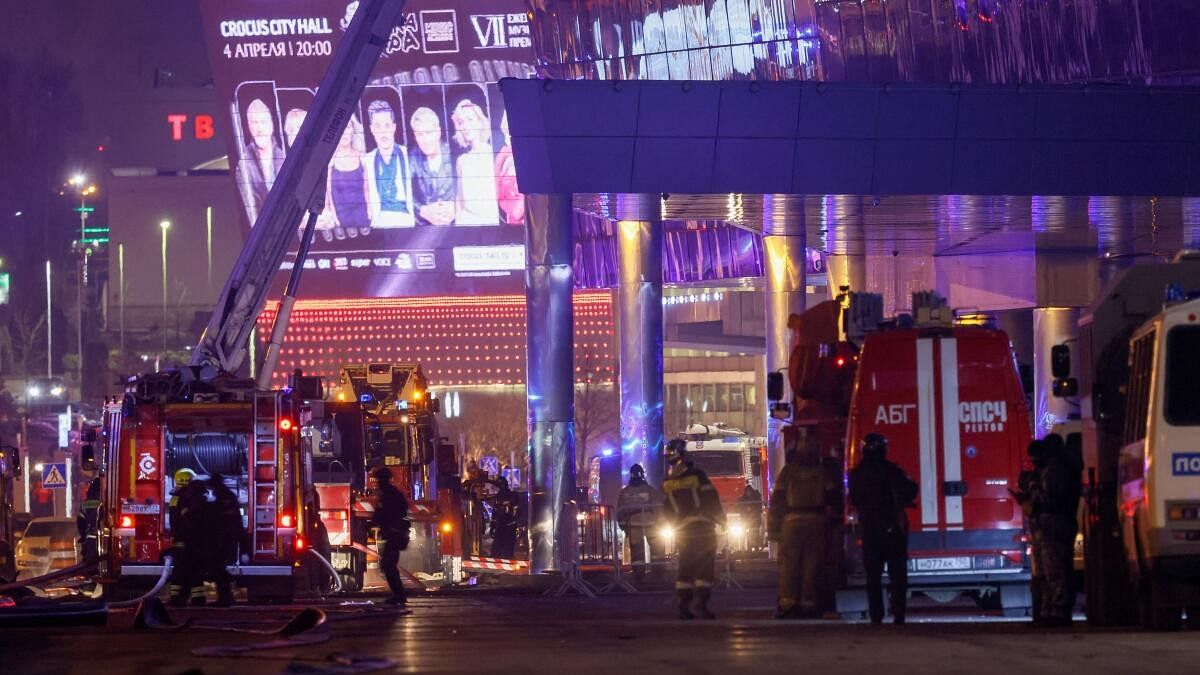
pixel 640 334
pixel 785 264
pixel 1052 326
pixel 550 387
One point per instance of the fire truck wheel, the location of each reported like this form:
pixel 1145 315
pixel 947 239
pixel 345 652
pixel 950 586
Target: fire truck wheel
pixel 269 591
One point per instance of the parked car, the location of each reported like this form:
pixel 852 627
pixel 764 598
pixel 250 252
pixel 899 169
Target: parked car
pixel 48 545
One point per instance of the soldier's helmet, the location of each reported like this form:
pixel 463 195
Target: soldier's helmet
pixel 875 446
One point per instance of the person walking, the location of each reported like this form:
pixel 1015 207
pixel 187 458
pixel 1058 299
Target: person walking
pixel 638 516
pixel 798 518
pixel 879 492
pixel 391 519
pixel 694 508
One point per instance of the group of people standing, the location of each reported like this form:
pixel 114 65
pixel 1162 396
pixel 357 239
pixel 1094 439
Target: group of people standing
pixel 206 524
pixel 393 185
pixel 1049 496
pixel 806 506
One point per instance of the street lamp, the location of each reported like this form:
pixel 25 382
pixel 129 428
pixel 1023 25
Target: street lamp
pixel 164 225
pixel 79 181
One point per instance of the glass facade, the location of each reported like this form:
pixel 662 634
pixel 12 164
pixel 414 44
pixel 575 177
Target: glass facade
pixel 998 41
pixel 734 403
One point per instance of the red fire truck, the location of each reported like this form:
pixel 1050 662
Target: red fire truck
pixel 248 437
pixel 203 416
pixel 949 400
pixel 381 414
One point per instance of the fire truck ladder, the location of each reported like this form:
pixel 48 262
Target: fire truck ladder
pixel 263 477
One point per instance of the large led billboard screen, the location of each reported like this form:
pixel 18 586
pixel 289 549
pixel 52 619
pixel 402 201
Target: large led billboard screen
pixel 421 195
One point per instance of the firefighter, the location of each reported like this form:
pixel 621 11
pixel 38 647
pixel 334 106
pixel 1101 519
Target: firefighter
pixel 638 516
pixel 1055 505
pixel 88 521
pixel 188 501
pixel 504 521
pixel 391 519
pixel 880 491
pixel 799 520
pixel 694 509
pixel 222 533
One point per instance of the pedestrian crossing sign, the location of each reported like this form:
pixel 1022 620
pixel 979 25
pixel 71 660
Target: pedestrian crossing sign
pixel 54 476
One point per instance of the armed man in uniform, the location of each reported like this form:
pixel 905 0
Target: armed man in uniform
pixel 694 508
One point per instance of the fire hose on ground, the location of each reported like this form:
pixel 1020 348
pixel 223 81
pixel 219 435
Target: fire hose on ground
pixel 168 562
pixel 336 577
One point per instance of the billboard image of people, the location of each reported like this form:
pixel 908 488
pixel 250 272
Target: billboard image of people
pixel 421 195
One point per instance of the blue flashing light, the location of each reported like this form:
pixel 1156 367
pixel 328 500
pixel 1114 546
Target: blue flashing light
pixel 402 404
pixel 365 398
pixel 607 452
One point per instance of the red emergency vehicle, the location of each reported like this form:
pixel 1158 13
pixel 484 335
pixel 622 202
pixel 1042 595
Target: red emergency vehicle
pixel 950 402
pixel 382 414
pixel 248 437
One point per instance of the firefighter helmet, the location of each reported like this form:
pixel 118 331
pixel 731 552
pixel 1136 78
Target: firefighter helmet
pixel 183 477
pixel 382 474
pixel 676 450
pixel 636 471
pixel 875 445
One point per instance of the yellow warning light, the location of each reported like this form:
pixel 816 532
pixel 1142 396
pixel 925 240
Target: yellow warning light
pixel 447 527
pixel 341 396
pixel 417 395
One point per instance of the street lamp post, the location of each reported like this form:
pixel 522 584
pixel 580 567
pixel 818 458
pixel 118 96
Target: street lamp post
pixel 164 225
pixel 79 181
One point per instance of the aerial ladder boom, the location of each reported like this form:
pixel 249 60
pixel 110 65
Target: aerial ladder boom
pixel 299 189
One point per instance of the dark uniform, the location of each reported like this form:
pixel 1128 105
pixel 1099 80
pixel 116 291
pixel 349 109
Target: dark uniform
pixel 694 508
pixel 638 515
pixel 879 492
pixel 505 511
pixel 1055 503
pixel 798 519
pixel 222 534
pixel 391 517
pixel 88 521
pixel 187 508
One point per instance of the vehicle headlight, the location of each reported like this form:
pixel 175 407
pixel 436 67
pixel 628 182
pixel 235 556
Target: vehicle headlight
pixel 667 533
pixel 737 530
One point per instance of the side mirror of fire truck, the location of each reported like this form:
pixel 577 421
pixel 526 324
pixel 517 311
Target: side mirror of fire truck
pixel 87 457
pixel 775 386
pixel 1060 361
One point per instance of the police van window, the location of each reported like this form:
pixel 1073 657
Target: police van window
pixel 1183 376
pixel 1137 391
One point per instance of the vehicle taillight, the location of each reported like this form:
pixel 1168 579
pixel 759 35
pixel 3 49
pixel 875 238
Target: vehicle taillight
pixel 300 543
pixel 126 521
pixel 447 527
pixel 286 520
pixel 840 361
pixel 285 424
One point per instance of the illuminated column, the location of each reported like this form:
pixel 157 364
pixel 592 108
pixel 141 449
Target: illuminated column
pixel 1052 326
pixel 550 388
pixel 786 259
pixel 842 218
pixel 640 332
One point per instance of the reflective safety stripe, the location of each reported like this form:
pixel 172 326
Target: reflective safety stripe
pixel 951 438
pixel 683 585
pixel 197 591
pixel 701 583
pixel 927 432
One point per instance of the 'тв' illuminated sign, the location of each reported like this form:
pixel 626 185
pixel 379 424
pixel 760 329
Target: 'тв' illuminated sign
pixel 199 127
